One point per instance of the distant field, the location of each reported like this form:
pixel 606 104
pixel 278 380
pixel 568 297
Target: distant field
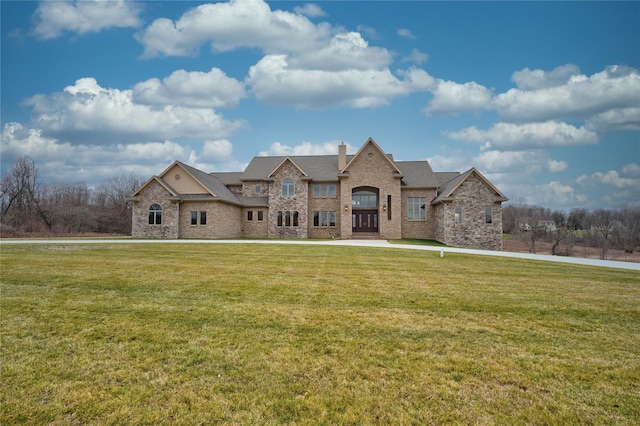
pixel 287 334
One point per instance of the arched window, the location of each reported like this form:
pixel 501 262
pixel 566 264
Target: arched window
pixel 155 214
pixel 279 222
pixel 288 188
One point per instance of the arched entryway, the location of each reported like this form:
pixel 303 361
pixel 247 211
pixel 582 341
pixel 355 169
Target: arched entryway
pixel 364 210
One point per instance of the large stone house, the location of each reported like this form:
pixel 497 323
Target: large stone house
pixel 366 195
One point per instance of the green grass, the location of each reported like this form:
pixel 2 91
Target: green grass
pixel 288 334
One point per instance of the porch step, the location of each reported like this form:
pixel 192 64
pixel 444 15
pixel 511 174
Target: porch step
pixel 367 236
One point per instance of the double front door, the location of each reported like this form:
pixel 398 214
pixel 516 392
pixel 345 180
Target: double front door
pixel 364 221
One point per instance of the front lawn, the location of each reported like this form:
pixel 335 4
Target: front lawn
pixel 300 334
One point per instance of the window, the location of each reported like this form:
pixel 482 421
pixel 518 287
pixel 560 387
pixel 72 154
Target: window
pixel 250 215
pixel 194 218
pixel 260 215
pixel 488 215
pixel 388 207
pixel 364 199
pixel 457 215
pixel 288 188
pixel 258 189
pixel 287 218
pixel 325 190
pixel 155 214
pixel 416 208
pixel 324 219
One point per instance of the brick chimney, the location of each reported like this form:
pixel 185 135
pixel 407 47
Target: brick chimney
pixel 342 156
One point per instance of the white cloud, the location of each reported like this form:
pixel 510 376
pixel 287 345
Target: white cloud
pixel 416 56
pixel 306 148
pixel 403 32
pixel 554 166
pixel 345 51
pixel 527 79
pixel 627 177
pixel 88 113
pixel 216 151
pixel 59 161
pixel 450 97
pixel 508 136
pixel 232 25
pixel 310 10
pixel 273 81
pixel 579 98
pixel 52 18
pixel 212 89
pixel 521 162
pixel 620 119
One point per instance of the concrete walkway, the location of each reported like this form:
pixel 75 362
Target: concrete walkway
pixel 359 243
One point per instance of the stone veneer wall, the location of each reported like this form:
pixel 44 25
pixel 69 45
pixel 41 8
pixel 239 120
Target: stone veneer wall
pixel 299 203
pixel 223 220
pixel 371 169
pixel 473 196
pixel 418 228
pixel 324 204
pixel 140 228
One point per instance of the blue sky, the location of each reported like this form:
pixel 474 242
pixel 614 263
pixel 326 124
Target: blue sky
pixel 541 97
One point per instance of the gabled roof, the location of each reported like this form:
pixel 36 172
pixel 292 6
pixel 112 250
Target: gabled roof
pixel 446 191
pixel 370 141
pixel 316 167
pixel 159 180
pixel 212 187
pixel 283 162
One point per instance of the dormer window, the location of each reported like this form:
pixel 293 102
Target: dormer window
pixel 288 188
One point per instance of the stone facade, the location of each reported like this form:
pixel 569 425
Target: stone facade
pixel 289 206
pixel 403 200
pixel 473 229
pixel 140 227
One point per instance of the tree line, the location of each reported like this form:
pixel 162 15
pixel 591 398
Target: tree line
pixel 605 229
pixel 29 206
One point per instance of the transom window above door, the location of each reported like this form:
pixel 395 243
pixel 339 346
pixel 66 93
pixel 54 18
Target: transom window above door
pixel 364 199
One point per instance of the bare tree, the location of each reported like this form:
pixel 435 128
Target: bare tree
pixel 629 236
pixel 603 223
pixel 110 199
pixel 19 194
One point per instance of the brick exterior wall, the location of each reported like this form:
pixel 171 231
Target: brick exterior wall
pixel 371 169
pixel 140 228
pixel 298 202
pixel 419 228
pixel 255 228
pixel 223 220
pixel 472 196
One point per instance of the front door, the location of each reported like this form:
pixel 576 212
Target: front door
pixel 364 221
